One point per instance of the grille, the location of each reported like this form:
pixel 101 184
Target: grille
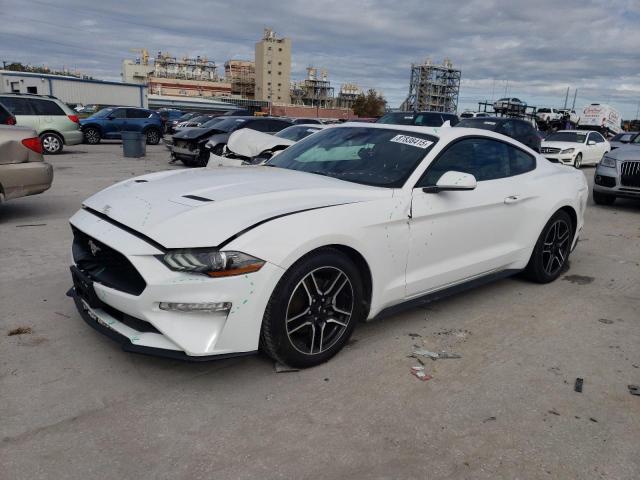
pixel 605 181
pixel 105 265
pixel 630 174
pixel 549 150
pixel 128 320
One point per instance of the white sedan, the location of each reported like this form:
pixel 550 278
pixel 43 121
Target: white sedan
pixel 575 147
pixel 351 223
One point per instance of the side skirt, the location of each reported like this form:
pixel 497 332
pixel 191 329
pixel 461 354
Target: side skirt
pixel 444 293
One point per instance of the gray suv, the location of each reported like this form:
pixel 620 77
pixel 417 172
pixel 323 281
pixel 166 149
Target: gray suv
pixel 618 174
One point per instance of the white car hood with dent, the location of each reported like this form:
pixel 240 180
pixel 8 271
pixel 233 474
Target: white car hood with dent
pixel 249 143
pixel 205 207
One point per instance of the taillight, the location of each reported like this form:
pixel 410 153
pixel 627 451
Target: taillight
pixel 33 144
pixel 74 118
pixel 11 120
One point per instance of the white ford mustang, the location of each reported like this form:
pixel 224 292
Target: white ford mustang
pixel 348 224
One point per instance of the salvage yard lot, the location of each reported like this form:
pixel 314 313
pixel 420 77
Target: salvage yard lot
pixel 73 405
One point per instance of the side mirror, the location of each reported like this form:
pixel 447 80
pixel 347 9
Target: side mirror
pixel 453 180
pixel 591 142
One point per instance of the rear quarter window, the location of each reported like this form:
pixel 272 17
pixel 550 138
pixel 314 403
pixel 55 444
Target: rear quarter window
pixel 46 107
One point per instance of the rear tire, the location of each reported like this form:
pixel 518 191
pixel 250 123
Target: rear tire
pixel 551 253
pixel 603 198
pixel 52 143
pixel 92 136
pixel 313 309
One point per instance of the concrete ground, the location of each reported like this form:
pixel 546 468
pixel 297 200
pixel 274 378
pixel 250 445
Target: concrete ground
pixel 74 406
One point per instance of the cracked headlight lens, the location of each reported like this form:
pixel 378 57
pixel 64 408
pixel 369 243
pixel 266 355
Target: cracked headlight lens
pixel 213 263
pixel 608 162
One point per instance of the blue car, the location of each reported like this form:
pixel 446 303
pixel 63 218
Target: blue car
pixel 109 123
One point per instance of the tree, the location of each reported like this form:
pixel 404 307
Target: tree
pixel 370 105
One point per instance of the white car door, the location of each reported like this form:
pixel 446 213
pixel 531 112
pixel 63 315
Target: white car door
pixel 594 150
pixel 459 235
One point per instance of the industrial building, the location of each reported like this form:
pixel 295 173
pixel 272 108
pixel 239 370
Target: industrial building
pixel 241 74
pixel 347 95
pixel 74 90
pixel 315 90
pixel 273 68
pixel 433 87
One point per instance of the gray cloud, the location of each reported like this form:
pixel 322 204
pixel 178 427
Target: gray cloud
pixel 532 50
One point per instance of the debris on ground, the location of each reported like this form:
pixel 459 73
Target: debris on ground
pixel 578 279
pixel 282 368
pixel 578 386
pixel 31 225
pixel 420 374
pixel 553 412
pixel 435 355
pixel 634 389
pixel 21 331
pixel 414 335
pixel 489 419
pixel 606 321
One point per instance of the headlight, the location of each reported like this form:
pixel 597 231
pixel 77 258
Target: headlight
pixel 213 263
pixel 608 162
pixel 567 150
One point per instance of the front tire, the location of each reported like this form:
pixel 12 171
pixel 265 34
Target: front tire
pixel 92 136
pixel 313 309
pixel 603 198
pixel 578 161
pixel 551 252
pixel 153 136
pixel 52 143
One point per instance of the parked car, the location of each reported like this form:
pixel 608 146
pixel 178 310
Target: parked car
pixel 509 105
pixel 422 119
pixel 6 117
pixel 575 147
pixel 109 123
pixel 197 121
pixel 23 170
pixel 173 124
pixel 351 223
pixel 469 114
pixel 618 174
pixel 546 115
pixel 624 138
pixel 253 147
pixel 56 124
pixel 194 146
pixel 520 130
pixel 307 121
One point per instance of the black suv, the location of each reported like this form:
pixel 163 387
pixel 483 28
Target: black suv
pixel 421 119
pixel 520 130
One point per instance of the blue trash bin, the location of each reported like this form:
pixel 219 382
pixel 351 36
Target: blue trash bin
pixel 134 144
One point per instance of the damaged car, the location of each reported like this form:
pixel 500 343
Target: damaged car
pixel 193 147
pixel 351 223
pixel 253 147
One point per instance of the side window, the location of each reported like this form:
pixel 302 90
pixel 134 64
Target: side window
pixel 599 138
pixel 137 113
pixel 520 162
pixel 119 113
pixel 483 158
pixel 17 105
pixel 46 107
pixel 592 138
pixel 4 115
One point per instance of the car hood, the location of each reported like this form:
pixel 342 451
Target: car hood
pixel 626 152
pixel 192 133
pixel 561 145
pixel 204 207
pixel 249 143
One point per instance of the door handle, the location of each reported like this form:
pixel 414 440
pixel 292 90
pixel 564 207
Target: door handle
pixel 512 199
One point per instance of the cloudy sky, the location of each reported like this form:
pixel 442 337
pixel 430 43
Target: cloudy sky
pixel 533 50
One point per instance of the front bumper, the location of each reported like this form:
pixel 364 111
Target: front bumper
pixel 564 158
pixel 607 180
pixel 137 322
pixel 183 153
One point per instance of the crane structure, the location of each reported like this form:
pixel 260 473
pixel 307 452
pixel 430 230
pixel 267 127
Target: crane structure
pixel 433 87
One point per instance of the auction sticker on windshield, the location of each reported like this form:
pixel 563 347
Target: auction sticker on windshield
pixel 412 141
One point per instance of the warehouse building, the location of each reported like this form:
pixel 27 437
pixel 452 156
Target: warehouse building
pixel 73 90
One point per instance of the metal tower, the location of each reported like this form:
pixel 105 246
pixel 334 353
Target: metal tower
pixel 433 87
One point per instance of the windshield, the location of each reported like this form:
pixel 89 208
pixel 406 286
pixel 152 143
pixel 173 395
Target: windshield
pixel 104 112
pixel 211 122
pixel 623 137
pixel 484 124
pixel 544 110
pixel 397 118
pixel 572 137
pixel 370 156
pixel 296 132
pixel 229 124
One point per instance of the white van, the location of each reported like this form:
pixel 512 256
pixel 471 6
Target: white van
pixel 600 115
